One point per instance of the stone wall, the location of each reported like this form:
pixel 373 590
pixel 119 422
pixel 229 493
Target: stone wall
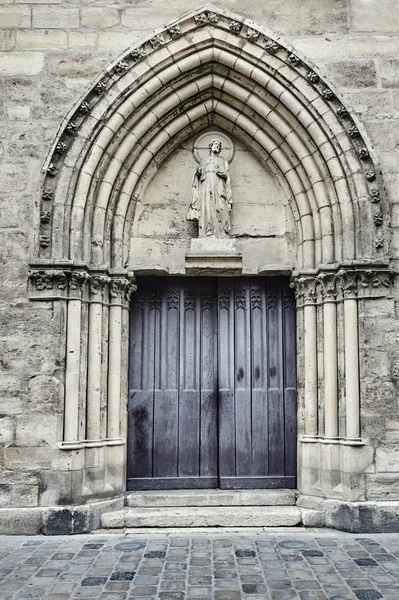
pixel 50 54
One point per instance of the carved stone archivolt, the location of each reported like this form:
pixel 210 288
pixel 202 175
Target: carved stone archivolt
pixel 114 90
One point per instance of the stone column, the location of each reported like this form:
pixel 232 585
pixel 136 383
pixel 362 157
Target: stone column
pixel 310 354
pixel 72 369
pixel 118 290
pixel 93 425
pixel 330 358
pixel 349 285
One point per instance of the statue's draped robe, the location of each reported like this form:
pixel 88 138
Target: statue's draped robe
pixel 211 197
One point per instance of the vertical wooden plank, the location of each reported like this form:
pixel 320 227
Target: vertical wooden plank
pixel 208 374
pixel 243 408
pixel 166 397
pixel 141 392
pixel 189 396
pixel 227 461
pixel 259 378
pixel 275 377
pixel 290 392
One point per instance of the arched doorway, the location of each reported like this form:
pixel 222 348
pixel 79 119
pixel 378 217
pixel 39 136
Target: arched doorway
pixel 211 69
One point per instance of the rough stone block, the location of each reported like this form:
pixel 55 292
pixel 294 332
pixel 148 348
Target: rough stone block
pixel 387 459
pixel 99 18
pixel 353 74
pixel 27 459
pixel 67 520
pixel 21 521
pixel 55 17
pixel 21 63
pixel 5 496
pixel 38 430
pixel 24 495
pixel 116 40
pixel 76 64
pixel 15 16
pixel 41 40
pixel 18 113
pixel 376 104
pixel 373 46
pixel 99 508
pixel 82 41
pixel 7 427
pixel 11 406
pixel 322 48
pixel 375 16
pixel 388 72
pixel 312 518
pixel 113 520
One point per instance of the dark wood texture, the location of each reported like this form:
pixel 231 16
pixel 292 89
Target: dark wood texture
pixel 212 400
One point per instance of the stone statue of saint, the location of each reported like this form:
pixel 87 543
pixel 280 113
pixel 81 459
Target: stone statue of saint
pixel 211 194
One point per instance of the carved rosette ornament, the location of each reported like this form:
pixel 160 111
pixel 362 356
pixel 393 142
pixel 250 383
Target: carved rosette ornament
pixel 48 280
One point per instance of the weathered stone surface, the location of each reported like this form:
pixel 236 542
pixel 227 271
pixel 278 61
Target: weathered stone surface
pixel 66 520
pixel 211 498
pixel 259 516
pixel 312 518
pixel 16 521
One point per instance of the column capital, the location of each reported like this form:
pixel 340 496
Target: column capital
pixel 305 289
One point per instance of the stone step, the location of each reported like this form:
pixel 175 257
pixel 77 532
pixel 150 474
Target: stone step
pixel 207 516
pixel 210 498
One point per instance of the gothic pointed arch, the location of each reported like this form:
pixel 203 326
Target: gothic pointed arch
pixel 211 67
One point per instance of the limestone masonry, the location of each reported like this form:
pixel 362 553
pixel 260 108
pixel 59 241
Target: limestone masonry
pixel 107 110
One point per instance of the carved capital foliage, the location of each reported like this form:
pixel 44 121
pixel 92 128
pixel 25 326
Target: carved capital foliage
pixel 77 280
pixel 121 289
pixel 48 280
pixel 342 285
pixel 97 283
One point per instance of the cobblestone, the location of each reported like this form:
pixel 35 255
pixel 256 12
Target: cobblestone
pixel 166 566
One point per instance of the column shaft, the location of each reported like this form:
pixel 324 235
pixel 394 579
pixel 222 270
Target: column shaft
pixel 352 369
pixel 310 349
pixel 330 370
pixel 93 431
pixel 114 371
pixel 72 372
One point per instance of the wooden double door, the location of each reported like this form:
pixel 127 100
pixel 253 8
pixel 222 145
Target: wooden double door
pixel 212 384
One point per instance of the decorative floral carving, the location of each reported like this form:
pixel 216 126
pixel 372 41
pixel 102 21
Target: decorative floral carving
pixel 251 34
pixel 342 112
pixel 44 241
pixel 363 153
pixel 117 287
pixel 157 41
pixel 272 47
pixel 52 170
pixel 47 194
pixel 327 286
pixel 375 196
pixel 294 60
pixel 78 279
pixel 47 280
pixel 100 88
pixel 235 26
pixel 130 289
pixel 61 148
pixel 312 77
pixel 45 216
pixel 121 67
pixel 174 31
pixel 190 300
pixel 370 175
pixel 71 127
pixel 84 108
pixel 328 94
pixel 206 17
pixel 379 242
pixel 138 53
pixel 98 283
pixel 378 219
pixel 256 299
pixel 206 301
pixel 354 132
pixel 347 281
pixel 172 299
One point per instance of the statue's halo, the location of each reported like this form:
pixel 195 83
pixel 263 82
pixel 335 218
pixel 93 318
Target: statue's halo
pixel 201 145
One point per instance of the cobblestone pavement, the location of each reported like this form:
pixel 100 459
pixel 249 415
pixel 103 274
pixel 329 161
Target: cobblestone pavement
pixel 196 565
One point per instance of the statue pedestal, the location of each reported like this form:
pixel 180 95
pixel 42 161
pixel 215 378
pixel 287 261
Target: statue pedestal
pixel 213 256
